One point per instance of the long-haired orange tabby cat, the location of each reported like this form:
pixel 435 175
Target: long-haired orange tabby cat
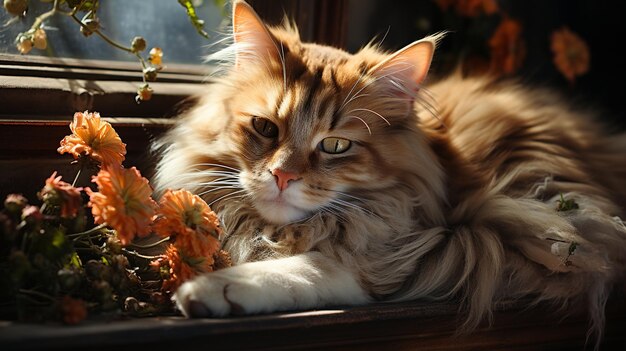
pixel 338 183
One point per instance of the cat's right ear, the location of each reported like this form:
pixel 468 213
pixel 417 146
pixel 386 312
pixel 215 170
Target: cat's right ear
pixel 405 70
pixel 253 40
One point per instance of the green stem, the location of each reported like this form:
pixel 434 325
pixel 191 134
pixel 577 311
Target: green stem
pixel 101 35
pixel 87 232
pixel 44 16
pixel 112 42
pixel 156 243
pixel 136 254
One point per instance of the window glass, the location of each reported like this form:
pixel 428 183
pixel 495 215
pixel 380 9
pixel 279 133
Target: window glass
pixel 163 23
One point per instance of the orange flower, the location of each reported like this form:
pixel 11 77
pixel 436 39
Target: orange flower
pixel 507 47
pixel 571 53
pixel 156 56
pixel 180 267
pixel 73 310
pixel 190 222
pixel 95 138
pixel 59 193
pixel 123 202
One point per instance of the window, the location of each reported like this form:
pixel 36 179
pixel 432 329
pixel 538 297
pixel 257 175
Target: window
pixel 162 23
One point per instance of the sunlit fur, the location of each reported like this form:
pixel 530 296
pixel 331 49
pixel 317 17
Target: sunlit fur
pixel 451 198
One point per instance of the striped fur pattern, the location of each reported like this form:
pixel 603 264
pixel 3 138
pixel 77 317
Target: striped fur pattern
pixel 449 191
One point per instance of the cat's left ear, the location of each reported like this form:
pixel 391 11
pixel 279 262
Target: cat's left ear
pixel 253 39
pixel 406 69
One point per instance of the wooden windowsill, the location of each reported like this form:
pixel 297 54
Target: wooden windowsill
pixel 402 326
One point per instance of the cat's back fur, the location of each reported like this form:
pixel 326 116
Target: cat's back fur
pixel 481 190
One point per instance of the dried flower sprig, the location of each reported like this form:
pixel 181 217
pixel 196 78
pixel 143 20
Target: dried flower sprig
pixel 59 261
pixel 89 25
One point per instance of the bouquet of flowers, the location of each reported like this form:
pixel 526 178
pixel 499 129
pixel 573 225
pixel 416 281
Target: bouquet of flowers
pixel 74 251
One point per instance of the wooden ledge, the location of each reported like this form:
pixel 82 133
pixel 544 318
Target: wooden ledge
pixel 402 326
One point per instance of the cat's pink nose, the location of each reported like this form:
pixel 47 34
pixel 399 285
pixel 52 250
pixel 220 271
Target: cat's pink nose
pixel 283 178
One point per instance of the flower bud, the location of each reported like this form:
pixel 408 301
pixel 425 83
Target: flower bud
pixel 40 39
pixel 31 215
pixel 114 244
pixel 150 73
pixel 24 45
pixel 15 203
pixel 144 93
pixel 138 44
pixel 90 26
pixel 16 7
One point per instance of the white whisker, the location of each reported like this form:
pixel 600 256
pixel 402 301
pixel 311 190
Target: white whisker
pixel 372 82
pixel 350 92
pixel 371 111
pixel 225 196
pixel 362 120
pixel 217 189
pixel 218 165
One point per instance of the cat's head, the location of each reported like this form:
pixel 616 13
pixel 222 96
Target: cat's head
pixel 312 128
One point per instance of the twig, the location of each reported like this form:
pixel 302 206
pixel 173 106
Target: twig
pixel 137 254
pixel 156 243
pixel 90 231
pixel 44 16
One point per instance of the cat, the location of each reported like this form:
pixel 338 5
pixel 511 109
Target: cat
pixel 344 179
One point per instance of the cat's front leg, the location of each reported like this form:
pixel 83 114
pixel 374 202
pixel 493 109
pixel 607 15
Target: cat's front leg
pixel 308 280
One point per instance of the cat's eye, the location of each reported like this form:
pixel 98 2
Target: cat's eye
pixel 335 145
pixel 265 127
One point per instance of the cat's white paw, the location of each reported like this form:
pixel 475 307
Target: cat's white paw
pixel 304 281
pixel 212 295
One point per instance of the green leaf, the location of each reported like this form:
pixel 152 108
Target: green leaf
pixel 193 17
pixel 566 205
pixel 75 260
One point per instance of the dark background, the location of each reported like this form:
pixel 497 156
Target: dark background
pixel 599 23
